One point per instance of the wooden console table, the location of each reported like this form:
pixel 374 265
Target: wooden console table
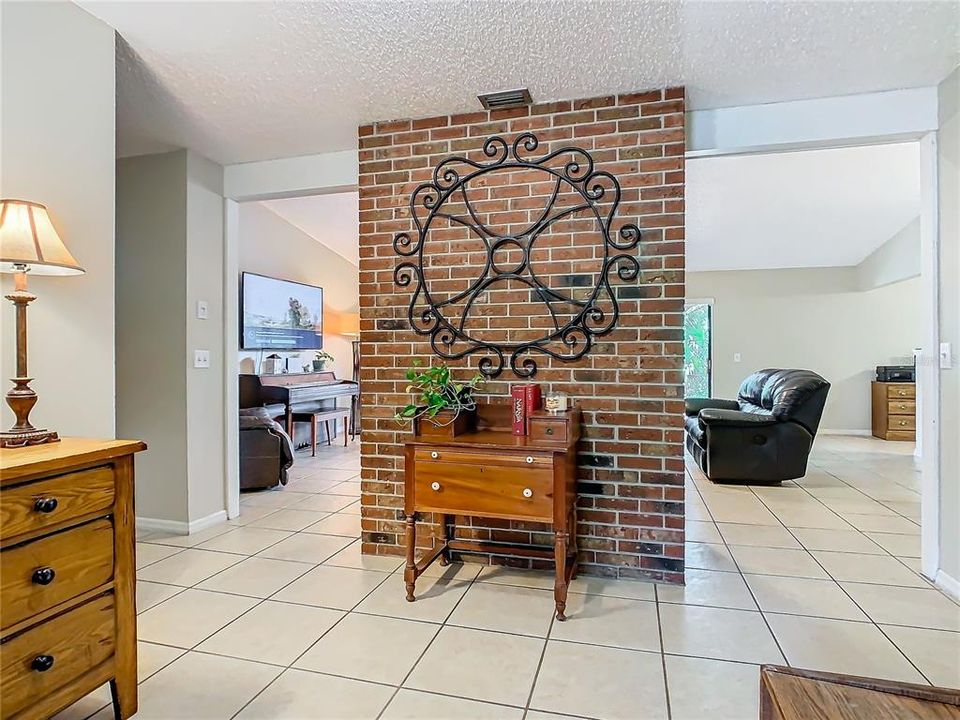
pixel 793 694
pixel 67 596
pixel 490 472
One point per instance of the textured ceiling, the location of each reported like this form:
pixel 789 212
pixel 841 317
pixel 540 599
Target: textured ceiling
pixel 247 81
pixel 819 208
pixel 331 220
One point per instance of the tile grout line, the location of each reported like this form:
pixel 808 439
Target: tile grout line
pixel 429 645
pixel 743 579
pixel 843 590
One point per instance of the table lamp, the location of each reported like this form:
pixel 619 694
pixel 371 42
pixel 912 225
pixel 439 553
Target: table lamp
pixel 28 243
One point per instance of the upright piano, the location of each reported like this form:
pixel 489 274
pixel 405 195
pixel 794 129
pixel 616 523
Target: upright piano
pixel 289 393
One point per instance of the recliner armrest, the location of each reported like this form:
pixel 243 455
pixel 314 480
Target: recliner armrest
pixel 714 418
pixel 693 406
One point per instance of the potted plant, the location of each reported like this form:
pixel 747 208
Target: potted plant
pixel 321 359
pixel 443 407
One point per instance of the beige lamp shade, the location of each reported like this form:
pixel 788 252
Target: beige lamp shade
pixel 29 241
pixel 342 323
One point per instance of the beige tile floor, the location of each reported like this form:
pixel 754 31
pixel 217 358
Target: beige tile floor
pixel 277 614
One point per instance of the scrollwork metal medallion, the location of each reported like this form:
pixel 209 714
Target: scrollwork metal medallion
pixel 590 313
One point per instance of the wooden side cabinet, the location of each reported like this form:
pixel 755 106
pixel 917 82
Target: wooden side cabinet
pixel 894 410
pixel 492 473
pixel 67 576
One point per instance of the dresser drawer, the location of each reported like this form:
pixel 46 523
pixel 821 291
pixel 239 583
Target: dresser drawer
pixel 902 407
pixel 902 423
pixel 502 488
pixel 49 656
pixel 37 505
pixel 531 460
pixel 897 391
pixel 43 573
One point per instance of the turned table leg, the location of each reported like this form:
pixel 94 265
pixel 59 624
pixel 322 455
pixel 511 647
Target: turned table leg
pixel 445 520
pixel 560 583
pixel 410 571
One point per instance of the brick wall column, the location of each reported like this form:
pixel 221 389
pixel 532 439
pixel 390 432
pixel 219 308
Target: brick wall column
pixel 630 385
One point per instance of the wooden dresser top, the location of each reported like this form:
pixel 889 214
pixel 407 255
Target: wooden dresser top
pixel 492 440
pixel 50 457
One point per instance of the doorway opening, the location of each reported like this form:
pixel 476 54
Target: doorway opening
pixel 697 348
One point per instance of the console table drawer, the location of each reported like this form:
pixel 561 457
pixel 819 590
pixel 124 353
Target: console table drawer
pixel 896 391
pixel 49 656
pixel 902 423
pixel 43 503
pixel 511 489
pixel 901 407
pixel 41 574
pixel 445 455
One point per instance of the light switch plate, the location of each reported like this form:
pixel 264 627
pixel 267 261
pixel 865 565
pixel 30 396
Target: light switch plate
pixel 203 310
pixel 946 356
pixel 736 357
pixel 201 358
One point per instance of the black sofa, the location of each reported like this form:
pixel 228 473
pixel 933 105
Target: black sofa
pixel 763 437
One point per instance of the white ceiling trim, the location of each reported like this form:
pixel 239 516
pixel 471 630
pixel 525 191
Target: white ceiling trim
pixel 246 81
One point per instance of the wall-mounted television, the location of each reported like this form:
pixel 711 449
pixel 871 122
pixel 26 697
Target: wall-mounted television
pixel 279 314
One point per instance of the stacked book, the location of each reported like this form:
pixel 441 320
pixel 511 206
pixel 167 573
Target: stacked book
pixel 525 398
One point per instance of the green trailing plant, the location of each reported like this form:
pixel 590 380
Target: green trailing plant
pixel 436 391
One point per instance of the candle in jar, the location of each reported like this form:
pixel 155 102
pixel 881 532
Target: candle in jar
pixel 556 401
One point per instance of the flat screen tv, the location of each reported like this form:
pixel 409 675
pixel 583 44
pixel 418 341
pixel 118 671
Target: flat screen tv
pixel 279 314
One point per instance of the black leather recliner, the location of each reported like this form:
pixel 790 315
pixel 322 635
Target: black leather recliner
pixel 764 436
pixel 265 450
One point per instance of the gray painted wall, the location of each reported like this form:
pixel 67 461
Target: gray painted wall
pixel 816 319
pixel 169 256
pixel 151 332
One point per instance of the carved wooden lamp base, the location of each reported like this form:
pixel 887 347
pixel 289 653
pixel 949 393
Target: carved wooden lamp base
pixel 21 398
pixel 12 439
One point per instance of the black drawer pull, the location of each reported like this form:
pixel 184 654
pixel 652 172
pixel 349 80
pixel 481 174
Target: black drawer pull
pixel 45 505
pixel 42 663
pixel 43 576
pixel 549 431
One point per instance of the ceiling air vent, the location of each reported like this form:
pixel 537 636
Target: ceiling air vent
pixel 505 99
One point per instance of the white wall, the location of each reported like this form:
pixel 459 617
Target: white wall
pixel 897 259
pixel 818 122
pixel 815 319
pixel 57 147
pixel 949 190
pixel 269 245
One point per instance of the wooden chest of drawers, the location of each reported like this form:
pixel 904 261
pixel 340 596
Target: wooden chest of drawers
pixel 492 473
pixel 67 576
pixel 894 410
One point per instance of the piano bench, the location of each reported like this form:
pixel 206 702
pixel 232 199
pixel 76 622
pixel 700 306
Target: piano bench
pixel 325 416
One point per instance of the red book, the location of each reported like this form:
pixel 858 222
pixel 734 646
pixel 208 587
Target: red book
pixel 518 409
pixel 532 400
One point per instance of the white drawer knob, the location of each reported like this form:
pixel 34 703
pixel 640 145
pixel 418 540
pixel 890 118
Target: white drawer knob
pixel 434 486
pixel 434 454
pixel 529 461
pixel 527 492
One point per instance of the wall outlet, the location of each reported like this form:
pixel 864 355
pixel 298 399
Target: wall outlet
pixel 201 358
pixel 736 357
pixel 203 310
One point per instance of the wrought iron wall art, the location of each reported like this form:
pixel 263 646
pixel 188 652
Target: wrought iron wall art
pixel 570 334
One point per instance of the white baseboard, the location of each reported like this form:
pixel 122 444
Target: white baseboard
pixel 858 433
pixel 951 586
pixel 179 527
